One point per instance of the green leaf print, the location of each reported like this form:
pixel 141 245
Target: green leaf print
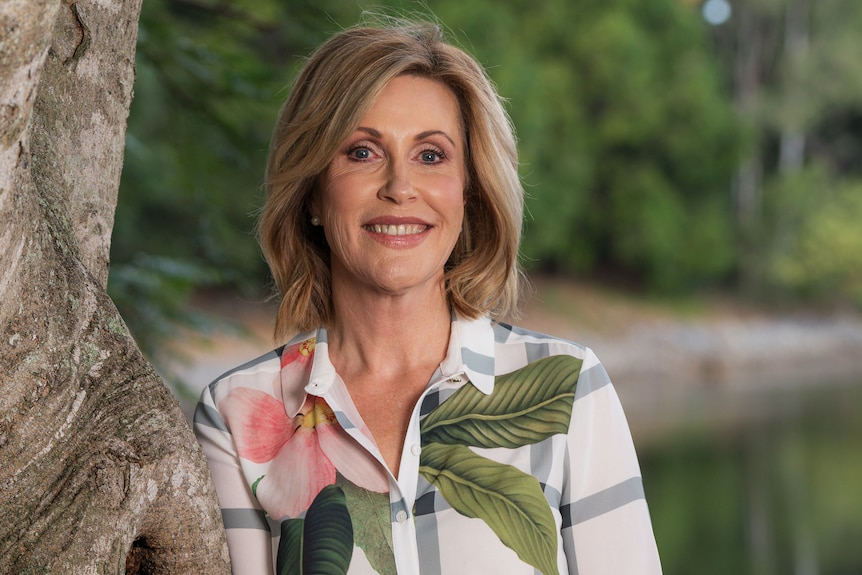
pixel 510 501
pixel 527 406
pixel 255 484
pixel 323 540
pixel 372 525
pixel 289 558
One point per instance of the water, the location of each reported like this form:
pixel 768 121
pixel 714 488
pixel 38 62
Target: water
pixel 757 480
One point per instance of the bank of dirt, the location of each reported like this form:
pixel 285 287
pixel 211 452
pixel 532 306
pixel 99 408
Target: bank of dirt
pixel 707 362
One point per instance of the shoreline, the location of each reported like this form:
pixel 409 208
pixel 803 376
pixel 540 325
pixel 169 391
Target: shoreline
pixel 734 374
pixel 717 366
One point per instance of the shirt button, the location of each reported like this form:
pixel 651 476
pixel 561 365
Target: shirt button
pixel 401 516
pixel 415 449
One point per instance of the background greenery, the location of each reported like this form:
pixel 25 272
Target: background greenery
pixel 659 152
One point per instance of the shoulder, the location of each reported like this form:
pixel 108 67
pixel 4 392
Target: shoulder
pixel 263 366
pixel 513 340
pixel 268 371
pixel 516 347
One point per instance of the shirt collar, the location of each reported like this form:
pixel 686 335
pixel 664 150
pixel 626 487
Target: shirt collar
pixel 294 372
pixel 323 373
pixel 471 351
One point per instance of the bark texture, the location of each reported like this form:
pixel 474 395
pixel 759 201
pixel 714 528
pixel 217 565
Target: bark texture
pixel 99 471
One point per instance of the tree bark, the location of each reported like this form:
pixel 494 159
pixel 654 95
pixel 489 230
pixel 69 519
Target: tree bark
pixel 99 471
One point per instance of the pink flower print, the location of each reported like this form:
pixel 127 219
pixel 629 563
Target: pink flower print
pixel 305 451
pixel 301 468
pixel 295 367
pixel 299 353
pixel 258 423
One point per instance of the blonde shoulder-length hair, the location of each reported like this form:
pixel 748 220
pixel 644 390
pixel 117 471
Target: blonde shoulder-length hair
pixel 330 97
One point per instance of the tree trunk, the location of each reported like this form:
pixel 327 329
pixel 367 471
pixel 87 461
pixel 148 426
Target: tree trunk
pixel 747 86
pixel 99 471
pixel 797 16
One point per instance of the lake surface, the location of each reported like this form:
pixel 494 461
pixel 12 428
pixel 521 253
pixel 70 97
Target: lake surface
pixel 750 479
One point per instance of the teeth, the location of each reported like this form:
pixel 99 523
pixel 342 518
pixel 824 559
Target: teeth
pixel 399 230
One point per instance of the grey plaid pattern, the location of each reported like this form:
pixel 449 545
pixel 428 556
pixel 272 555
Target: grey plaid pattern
pixel 589 476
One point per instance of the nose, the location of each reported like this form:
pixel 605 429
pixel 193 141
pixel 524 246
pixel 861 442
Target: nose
pixel 398 187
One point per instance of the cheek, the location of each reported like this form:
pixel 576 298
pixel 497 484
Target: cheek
pixel 336 229
pixel 338 199
pixel 453 200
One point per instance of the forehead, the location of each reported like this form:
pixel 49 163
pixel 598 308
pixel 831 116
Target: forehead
pixel 418 100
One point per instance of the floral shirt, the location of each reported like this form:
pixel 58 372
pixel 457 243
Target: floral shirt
pixel 518 460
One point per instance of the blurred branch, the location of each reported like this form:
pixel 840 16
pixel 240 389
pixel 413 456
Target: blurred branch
pixel 178 89
pixel 227 10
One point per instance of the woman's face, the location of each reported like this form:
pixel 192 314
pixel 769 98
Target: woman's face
pixel 392 203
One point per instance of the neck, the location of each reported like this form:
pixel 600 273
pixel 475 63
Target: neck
pixel 386 334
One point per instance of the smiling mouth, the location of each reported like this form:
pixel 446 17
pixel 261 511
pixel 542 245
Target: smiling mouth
pixel 397 230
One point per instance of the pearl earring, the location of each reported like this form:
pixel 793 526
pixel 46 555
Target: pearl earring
pixel 315 221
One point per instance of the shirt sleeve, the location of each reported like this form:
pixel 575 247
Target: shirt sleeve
pixel 606 526
pixel 248 535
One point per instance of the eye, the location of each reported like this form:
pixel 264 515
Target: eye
pixel 360 153
pixel 431 156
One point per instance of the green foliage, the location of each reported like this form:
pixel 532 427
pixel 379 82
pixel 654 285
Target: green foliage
pixel 820 253
pixel 150 292
pixel 210 80
pixel 197 134
pixel 627 140
pixel 627 143
pixel 793 73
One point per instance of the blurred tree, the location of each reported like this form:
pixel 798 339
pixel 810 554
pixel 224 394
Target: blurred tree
pixel 627 143
pixel 824 253
pixel 210 79
pixel 798 87
pixel 626 146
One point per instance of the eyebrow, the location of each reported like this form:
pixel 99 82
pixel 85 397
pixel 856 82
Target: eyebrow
pixel 427 133
pixel 420 136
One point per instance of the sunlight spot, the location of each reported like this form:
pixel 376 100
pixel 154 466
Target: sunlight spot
pixel 716 11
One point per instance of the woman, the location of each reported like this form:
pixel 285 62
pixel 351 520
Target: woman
pixel 404 429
